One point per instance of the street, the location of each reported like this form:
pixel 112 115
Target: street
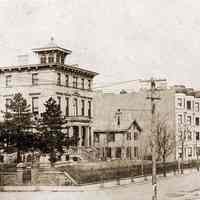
pixel 173 187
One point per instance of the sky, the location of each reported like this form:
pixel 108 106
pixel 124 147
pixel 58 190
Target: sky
pixel 120 39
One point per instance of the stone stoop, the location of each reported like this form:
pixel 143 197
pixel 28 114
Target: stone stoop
pixel 47 177
pixel 69 180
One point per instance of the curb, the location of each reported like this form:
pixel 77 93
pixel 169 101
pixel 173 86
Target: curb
pixel 99 186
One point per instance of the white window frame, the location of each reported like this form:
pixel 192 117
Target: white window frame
pixel 8 80
pixel 35 108
pixel 35 79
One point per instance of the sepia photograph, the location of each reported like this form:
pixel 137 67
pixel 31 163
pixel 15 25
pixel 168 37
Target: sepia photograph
pixel 99 100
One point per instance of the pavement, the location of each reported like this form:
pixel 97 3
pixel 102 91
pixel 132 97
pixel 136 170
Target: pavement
pixel 173 187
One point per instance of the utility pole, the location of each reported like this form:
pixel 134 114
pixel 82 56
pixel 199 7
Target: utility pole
pixel 153 97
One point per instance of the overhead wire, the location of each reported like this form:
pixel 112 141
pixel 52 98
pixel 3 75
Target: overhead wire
pixel 115 83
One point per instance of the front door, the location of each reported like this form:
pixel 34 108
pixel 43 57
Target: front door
pixel 83 136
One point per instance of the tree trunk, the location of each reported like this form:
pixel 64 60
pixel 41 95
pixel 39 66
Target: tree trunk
pixel 182 157
pixel 164 166
pixel 52 156
pixel 19 159
pixel 197 162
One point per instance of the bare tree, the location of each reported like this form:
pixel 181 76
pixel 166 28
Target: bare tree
pixel 197 154
pixel 184 130
pixel 165 142
pixel 144 148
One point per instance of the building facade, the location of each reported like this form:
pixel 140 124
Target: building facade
pixel 69 85
pixel 178 106
pixel 187 122
pixel 121 141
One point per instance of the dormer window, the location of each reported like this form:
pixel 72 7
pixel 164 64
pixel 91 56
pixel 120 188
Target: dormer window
pixel 82 83
pixel 52 53
pixel 62 59
pixel 43 59
pixel 57 58
pixel 89 84
pixel 51 58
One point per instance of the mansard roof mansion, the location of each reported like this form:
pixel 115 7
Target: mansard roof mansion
pixel 70 85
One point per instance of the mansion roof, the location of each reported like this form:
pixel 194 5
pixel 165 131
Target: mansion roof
pixel 124 126
pixel 187 91
pixel 51 56
pixel 51 46
pixel 70 68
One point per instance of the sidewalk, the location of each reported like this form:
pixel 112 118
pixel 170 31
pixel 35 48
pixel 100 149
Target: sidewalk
pixel 99 186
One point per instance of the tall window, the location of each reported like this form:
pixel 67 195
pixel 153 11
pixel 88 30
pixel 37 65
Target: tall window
pixel 51 58
pixel 35 105
pixel 189 120
pixel 59 101
pixel 197 121
pixel 118 120
pixel 189 136
pixel 179 102
pixel 111 137
pixel 180 152
pixel 62 59
pixel 57 58
pixel 96 137
pixel 89 84
pixel 8 80
pixel 90 136
pixel 180 119
pixel 58 78
pixel 108 152
pixel 67 80
pixel 35 79
pixel 197 107
pixel 43 59
pixel 128 137
pixel 189 105
pixel 180 135
pixel 75 105
pixel 118 152
pixel 89 109
pixel 135 135
pixel 128 152
pixel 82 83
pixel 75 82
pixel 198 151
pixel 67 106
pixel 197 136
pixel 82 107
pixel 136 152
pixel 189 151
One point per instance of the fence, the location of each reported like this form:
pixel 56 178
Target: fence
pixel 85 176
pixel 9 175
